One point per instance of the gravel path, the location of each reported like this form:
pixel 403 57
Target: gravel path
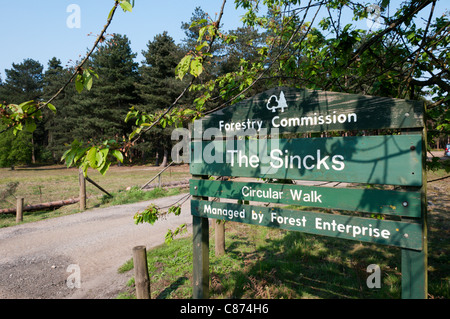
pixel 40 260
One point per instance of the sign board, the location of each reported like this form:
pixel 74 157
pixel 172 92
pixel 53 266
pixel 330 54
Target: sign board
pixel 241 141
pixel 388 202
pixel 394 233
pixel 302 110
pixel 394 159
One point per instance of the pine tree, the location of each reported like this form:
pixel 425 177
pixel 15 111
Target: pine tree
pixel 99 114
pixel 157 89
pixel 57 125
pixel 192 33
pixel 212 68
pixel 23 82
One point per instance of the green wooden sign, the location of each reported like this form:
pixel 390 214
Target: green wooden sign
pixel 388 202
pixel 399 234
pixel 392 159
pixel 241 140
pixel 301 110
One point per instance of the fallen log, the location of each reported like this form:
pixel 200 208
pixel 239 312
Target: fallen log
pixel 43 206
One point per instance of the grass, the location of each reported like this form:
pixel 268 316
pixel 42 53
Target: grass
pixel 270 263
pixel 135 194
pixel 120 198
pixel 45 184
pixel 53 183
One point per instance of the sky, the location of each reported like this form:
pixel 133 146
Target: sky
pixel 39 29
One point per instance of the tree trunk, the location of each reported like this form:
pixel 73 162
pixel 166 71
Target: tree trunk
pixel 157 159
pixel 33 157
pixel 165 158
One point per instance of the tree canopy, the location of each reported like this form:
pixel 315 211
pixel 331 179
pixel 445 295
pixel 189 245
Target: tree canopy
pixel 331 45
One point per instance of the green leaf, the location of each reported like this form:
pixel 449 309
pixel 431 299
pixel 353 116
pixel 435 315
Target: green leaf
pixel 126 6
pixel 170 235
pixel 196 23
pixel 88 83
pixel 183 67
pixel 84 167
pixel 201 46
pixel 79 153
pixel 110 13
pixel 117 154
pixel 175 210
pixel 30 125
pixel 201 32
pixel 133 134
pixel 25 105
pixel 93 73
pixel 149 215
pixel 104 168
pixel 79 83
pixel 68 157
pixel 131 113
pixel 92 157
pixel 17 128
pixel 65 154
pixel 196 67
pixel 101 157
pixel 87 80
pixel 51 107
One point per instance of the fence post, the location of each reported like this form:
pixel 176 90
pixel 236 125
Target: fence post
pixel 19 210
pixel 82 181
pixel 219 234
pixel 141 277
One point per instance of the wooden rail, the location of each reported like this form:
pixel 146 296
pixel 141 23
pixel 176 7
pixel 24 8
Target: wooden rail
pixel 157 175
pixel 55 204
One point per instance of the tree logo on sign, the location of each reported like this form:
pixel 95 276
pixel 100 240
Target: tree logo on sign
pixel 275 103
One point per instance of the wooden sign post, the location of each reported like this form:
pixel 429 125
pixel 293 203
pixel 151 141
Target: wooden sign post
pixel 247 144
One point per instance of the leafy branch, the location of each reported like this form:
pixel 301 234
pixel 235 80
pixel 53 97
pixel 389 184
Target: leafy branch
pixel 267 66
pixel 96 156
pixel 153 213
pixel 23 115
pixel 193 64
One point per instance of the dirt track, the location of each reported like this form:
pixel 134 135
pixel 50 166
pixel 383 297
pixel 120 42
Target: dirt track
pixel 35 256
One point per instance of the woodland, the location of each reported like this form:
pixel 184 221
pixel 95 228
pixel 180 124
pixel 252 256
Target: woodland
pixel 111 108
